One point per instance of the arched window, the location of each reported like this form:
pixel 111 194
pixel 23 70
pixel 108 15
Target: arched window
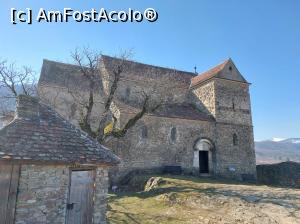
pixel 235 139
pixel 173 134
pixel 144 131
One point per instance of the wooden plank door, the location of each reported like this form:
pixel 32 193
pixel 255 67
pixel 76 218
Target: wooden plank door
pixel 9 181
pixel 81 193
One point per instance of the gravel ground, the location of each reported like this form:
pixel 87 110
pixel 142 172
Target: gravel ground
pixel 192 200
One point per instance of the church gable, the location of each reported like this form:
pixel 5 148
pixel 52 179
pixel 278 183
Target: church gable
pixel 226 70
pixel 231 72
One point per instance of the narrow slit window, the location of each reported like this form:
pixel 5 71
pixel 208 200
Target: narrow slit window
pixel 173 134
pixel 144 132
pixel 235 139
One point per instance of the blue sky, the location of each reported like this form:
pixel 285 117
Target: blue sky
pixel 262 37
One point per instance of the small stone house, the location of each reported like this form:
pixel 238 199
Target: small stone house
pixel 50 171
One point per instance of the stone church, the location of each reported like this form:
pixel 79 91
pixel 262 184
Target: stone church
pixel 204 125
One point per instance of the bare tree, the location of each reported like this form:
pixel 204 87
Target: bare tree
pixel 17 80
pixel 14 81
pixel 88 62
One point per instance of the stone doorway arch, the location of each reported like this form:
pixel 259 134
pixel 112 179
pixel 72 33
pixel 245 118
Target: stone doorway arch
pixel 203 157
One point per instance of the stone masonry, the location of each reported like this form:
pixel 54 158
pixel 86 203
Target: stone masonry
pixel 43 193
pixel 206 112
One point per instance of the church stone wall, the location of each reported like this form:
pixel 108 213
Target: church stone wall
pixel 161 84
pixel 203 96
pixel 232 102
pixel 68 106
pixel 132 91
pixel 235 158
pixel 160 147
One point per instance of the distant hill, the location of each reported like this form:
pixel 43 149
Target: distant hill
pixel 6 104
pixel 277 150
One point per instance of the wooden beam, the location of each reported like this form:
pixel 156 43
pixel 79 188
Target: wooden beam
pixel 9 181
pixel 13 191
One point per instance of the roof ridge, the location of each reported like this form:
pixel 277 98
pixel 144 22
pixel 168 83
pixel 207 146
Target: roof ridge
pixel 142 63
pixel 59 62
pixel 132 61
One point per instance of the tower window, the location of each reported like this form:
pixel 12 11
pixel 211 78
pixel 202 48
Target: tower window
pixel 144 131
pixel 230 68
pixel 173 134
pixel 235 139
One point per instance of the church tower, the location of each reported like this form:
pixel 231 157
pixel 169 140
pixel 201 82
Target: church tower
pixel 224 93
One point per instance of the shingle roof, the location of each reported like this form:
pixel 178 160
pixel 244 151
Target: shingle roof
pixel 50 138
pixel 182 111
pixel 174 110
pixel 64 75
pixel 142 71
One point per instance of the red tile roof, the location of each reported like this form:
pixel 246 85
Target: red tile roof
pixel 208 74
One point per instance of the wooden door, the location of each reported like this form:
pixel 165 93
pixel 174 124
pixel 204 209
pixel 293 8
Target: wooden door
pixel 203 161
pixel 81 193
pixel 9 181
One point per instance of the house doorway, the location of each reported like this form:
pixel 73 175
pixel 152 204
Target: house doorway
pixel 81 193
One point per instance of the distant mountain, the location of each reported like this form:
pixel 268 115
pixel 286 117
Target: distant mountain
pixel 6 104
pixel 277 150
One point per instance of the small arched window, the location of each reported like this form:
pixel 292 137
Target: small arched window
pixel 173 134
pixel 144 131
pixel 235 139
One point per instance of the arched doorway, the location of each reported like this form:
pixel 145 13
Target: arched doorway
pixel 203 156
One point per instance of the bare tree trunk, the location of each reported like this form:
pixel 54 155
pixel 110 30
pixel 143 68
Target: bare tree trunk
pixel 87 61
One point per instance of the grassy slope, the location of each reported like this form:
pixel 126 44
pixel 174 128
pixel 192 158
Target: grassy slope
pixel 193 200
